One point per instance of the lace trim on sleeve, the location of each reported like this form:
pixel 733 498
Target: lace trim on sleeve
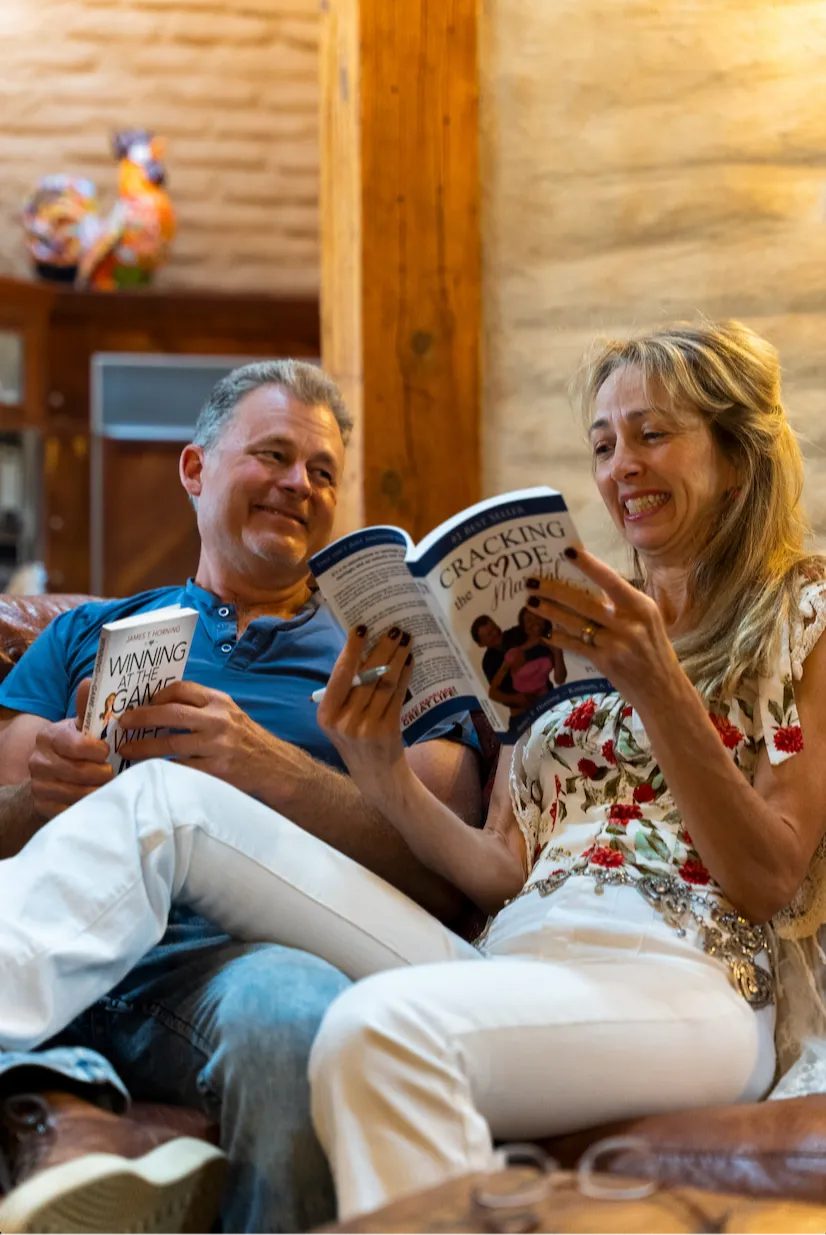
pixel 528 812
pixel 808 626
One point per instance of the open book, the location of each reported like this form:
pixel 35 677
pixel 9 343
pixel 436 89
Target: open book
pixel 136 657
pixel 461 594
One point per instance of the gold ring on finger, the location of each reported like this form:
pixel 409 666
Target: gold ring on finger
pixel 587 634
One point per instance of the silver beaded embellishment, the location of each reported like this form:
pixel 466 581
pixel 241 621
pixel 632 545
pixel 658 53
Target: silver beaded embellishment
pixel 726 935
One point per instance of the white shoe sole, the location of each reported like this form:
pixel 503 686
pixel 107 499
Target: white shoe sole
pixel 176 1187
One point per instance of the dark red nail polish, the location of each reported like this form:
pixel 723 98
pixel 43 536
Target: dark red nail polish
pixel 393 633
pixel 409 660
pixel 405 639
pixel 571 553
pixel 361 631
pixel 532 584
pixel 533 601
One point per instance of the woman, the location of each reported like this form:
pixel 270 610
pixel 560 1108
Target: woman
pixel 692 800
pixel 635 842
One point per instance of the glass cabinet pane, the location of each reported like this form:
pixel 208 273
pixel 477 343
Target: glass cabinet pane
pixel 11 368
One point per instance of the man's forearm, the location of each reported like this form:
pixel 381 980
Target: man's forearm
pixel 18 818
pixel 328 804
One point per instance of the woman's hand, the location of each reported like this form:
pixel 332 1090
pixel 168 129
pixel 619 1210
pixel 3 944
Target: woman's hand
pixel 364 722
pixel 630 645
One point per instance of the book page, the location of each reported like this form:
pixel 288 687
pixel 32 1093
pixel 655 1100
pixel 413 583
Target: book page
pixel 365 579
pixel 475 568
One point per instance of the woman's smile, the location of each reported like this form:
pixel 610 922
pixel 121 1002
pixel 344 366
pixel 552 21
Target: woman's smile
pixel 642 505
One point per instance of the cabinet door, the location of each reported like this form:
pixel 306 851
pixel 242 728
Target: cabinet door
pixel 66 505
pixel 146 535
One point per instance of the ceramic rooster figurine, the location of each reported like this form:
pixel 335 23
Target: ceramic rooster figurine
pixel 69 240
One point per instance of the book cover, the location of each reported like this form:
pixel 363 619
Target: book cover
pixel 137 657
pixel 461 594
pixel 474 568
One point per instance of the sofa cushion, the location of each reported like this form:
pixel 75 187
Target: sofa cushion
pixel 21 620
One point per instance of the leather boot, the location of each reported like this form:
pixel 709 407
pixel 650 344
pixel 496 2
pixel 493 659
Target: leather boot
pixel 66 1165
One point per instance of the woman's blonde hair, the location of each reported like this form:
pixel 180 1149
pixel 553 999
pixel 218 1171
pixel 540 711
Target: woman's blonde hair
pixel 746 578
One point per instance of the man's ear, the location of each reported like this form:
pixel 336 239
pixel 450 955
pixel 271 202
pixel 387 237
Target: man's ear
pixel 190 468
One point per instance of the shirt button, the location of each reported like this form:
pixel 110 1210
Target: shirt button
pixel 223 611
pixel 226 647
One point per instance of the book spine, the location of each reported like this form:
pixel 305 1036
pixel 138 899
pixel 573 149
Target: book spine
pixel 97 674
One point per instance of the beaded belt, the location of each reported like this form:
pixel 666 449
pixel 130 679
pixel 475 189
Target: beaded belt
pixel 727 935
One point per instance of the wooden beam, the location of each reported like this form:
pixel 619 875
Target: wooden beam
pixel 401 254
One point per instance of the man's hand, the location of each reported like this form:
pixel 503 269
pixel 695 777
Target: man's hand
pixel 219 737
pixel 67 765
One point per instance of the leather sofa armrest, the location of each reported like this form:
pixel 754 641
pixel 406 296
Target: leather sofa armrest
pixel 756 1149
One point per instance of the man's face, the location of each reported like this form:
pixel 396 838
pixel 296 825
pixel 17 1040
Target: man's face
pixel 489 635
pixel 267 488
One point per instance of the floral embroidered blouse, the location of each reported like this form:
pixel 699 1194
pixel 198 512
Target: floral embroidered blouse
pixel 590 799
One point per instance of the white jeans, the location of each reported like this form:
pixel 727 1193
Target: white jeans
pixel 586 1009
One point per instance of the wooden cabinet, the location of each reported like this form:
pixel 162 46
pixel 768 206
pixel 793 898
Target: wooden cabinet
pixel 146 531
pixel 24 315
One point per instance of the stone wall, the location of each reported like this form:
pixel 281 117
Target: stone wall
pixel 233 86
pixel 644 160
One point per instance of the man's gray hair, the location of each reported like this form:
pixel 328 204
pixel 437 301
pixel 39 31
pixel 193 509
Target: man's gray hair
pixel 307 383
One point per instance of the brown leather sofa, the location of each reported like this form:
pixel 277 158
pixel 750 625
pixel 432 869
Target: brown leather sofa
pixel 765 1149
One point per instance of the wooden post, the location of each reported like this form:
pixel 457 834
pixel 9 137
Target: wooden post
pixel 401 260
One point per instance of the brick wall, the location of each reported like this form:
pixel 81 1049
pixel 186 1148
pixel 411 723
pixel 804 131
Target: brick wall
pixel 643 160
pixel 232 85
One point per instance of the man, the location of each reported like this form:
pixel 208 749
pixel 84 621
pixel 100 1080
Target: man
pixel 202 1020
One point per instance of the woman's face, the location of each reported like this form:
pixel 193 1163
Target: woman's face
pixel 533 624
pixel 660 476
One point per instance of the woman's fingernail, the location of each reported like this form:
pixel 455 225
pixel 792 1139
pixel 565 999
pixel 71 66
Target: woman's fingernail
pixel 361 631
pixel 532 584
pixel 393 633
pixel 533 601
pixel 571 553
pixel 409 660
pixel 405 639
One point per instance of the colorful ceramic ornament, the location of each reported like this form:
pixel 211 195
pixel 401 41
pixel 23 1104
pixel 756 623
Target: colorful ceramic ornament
pixel 69 239
pixel 60 221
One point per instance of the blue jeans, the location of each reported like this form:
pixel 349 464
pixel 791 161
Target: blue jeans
pixel 227 1027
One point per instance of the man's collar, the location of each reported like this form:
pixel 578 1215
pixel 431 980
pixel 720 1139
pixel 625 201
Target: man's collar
pixel 211 606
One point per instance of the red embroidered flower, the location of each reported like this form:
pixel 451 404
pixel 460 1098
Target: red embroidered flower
pixel 608 752
pixel 621 812
pixel 603 856
pixel 686 838
pixel 626 712
pixel 789 739
pixel 694 872
pixel 730 735
pixel 582 715
pixel 643 793
pixel 557 785
pixel 564 739
pixel 587 768
pixel 552 814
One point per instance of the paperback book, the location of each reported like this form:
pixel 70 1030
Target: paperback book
pixel 136 657
pixel 461 594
